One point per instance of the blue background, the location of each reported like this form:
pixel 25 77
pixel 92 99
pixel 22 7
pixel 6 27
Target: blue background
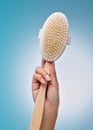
pixel 20 21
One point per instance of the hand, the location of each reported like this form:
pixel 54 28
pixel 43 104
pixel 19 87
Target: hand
pixel 52 94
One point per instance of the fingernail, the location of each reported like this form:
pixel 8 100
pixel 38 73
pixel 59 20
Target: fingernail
pixel 48 77
pixel 42 81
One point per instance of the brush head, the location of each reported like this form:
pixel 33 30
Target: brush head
pixel 54 36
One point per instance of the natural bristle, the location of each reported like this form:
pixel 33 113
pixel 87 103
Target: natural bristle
pixel 54 36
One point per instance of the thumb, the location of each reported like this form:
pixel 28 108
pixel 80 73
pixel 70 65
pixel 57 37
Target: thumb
pixel 53 75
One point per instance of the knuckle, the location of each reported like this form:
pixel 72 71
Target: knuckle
pixel 39 77
pixel 37 68
pixel 33 76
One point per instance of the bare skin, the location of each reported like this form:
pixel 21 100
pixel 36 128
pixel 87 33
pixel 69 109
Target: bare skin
pixel 52 94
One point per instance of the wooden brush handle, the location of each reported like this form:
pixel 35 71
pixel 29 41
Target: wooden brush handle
pixel 39 105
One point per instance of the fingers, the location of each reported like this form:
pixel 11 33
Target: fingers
pixel 38 77
pixel 52 72
pixel 41 71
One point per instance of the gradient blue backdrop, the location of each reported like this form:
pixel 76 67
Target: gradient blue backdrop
pixel 20 21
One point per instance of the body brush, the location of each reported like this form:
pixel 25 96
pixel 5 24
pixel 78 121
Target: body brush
pixel 54 36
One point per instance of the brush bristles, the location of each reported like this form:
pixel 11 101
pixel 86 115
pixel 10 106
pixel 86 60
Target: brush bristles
pixel 54 36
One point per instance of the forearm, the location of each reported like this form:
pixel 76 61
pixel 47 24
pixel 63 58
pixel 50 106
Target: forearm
pixel 48 121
